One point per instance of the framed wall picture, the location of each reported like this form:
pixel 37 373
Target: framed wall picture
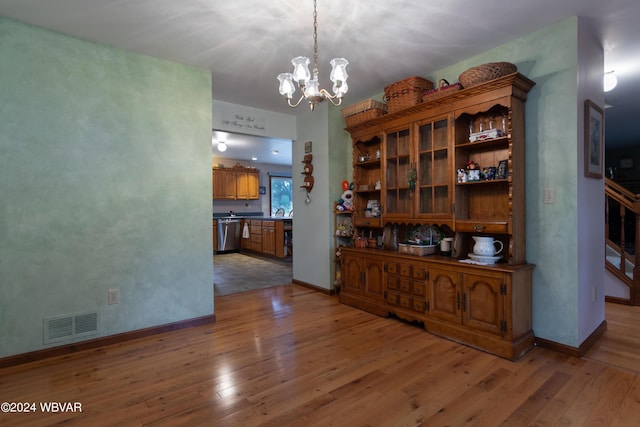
pixel 503 170
pixel 626 163
pixel 307 147
pixel 262 190
pixel 593 140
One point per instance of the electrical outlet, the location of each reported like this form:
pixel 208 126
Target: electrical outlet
pixel 113 296
pixel 549 195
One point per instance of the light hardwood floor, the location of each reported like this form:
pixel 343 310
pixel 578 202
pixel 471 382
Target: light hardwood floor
pixel 289 356
pixel 620 344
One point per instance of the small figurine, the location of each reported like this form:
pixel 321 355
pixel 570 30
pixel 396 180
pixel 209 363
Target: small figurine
pixel 462 175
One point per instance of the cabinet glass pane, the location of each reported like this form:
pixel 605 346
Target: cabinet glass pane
pixel 434 200
pixel 392 173
pixel 426 199
pixel 426 169
pixel 392 145
pixel 440 134
pixel 397 165
pixel 441 199
pixel 425 138
pixel 433 168
pixel 404 143
pixel 440 167
pixel 403 170
pixel 404 200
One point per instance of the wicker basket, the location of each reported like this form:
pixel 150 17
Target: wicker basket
pixel 485 72
pixel 406 93
pixel 363 111
pixel 444 88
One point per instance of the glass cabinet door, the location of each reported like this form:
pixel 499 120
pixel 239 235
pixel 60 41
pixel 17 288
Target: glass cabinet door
pixel 433 168
pixel 397 165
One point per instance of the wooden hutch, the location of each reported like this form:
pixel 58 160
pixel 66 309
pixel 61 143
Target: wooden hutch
pixel 485 306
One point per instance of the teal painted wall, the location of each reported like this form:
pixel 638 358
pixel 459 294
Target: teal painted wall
pixel 548 57
pixel 105 183
pixel 311 221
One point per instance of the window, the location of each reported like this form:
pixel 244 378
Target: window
pixel 281 195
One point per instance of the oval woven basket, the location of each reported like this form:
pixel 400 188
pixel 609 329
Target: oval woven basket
pixel 485 72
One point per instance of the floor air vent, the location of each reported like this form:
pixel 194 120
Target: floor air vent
pixel 69 326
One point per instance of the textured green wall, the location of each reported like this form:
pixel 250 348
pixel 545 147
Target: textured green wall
pixel 104 165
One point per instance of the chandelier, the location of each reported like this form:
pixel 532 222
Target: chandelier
pixel 309 86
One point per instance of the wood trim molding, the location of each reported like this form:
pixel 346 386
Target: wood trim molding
pixel 33 356
pixel 574 351
pixel 617 300
pixel 314 287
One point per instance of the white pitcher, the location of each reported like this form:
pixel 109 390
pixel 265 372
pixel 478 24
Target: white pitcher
pixel 486 246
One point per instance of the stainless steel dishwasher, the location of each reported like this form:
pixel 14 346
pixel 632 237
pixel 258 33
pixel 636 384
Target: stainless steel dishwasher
pixel 229 234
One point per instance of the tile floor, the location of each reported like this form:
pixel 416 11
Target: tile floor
pixel 238 272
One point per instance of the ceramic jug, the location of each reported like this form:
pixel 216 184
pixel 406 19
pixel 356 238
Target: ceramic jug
pixel 486 246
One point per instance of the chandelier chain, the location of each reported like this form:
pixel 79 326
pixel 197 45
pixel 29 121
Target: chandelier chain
pixel 315 37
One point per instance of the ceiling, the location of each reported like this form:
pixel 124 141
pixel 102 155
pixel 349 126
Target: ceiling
pixel 247 43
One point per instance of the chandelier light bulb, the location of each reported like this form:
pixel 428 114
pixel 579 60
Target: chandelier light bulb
pixel 610 81
pixel 301 72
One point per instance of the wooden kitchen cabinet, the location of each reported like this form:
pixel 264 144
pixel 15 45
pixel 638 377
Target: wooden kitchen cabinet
pixel 224 184
pixel 269 237
pixel 444 295
pixel 255 233
pixel 363 281
pixel 407 287
pixel 238 183
pixel 423 147
pixel 247 185
pixel 486 307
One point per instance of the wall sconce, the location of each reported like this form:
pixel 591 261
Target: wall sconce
pixel 610 81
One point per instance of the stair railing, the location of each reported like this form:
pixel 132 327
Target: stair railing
pixel 628 204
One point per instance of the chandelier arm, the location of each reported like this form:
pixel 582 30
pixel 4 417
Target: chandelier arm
pixel 331 98
pixel 297 103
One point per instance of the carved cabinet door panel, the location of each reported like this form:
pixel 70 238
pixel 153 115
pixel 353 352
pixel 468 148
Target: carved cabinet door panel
pixel 444 295
pixel 352 270
pixel 374 279
pixel 483 302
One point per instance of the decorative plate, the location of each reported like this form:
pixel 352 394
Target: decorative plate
pixel 485 259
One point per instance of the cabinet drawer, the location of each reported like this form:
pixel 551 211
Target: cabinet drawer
pixel 485 227
pixel 256 238
pixel 405 301
pixel 392 298
pixel 256 246
pixel 256 229
pixel 392 268
pixel 256 222
pixel 419 289
pixel 405 270
pixel 419 306
pixel 392 282
pixel 268 223
pixel 404 285
pixel 419 273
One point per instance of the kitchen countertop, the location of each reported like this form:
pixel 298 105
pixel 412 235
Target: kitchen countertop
pixel 263 218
